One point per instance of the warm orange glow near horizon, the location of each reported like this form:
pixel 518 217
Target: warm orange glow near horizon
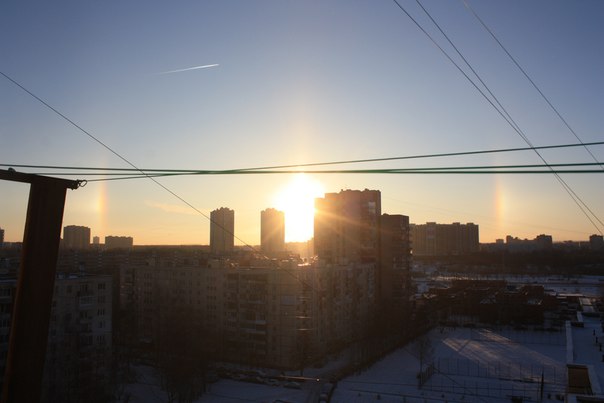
pixel 297 201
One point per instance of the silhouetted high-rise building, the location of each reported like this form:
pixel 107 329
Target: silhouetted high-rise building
pixel 76 237
pixel 222 231
pixel 347 226
pixel 272 231
pixel 1 237
pixel 394 282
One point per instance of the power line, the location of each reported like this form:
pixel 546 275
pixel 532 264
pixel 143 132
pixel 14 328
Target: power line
pixel 342 162
pixel 82 130
pixel 484 25
pixel 400 172
pixel 455 169
pixel 576 199
pixel 145 175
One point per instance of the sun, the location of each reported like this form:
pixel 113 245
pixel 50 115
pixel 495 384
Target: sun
pixel 297 201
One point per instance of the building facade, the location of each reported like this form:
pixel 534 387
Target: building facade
pixel 118 242
pixel 394 282
pixel 79 351
pixel 432 239
pixel 76 237
pixel 540 243
pixel 272 231
pixel 346 226
pixel 222 231
pixel 284 315
pixel 596 242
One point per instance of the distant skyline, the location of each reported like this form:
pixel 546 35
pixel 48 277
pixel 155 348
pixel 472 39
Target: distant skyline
pixel 226 85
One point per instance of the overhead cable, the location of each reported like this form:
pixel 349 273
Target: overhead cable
pixel 574 196
pixel 343 162
pixel 143 174
pixel 502 112
pixel 545 98
pixel 176 172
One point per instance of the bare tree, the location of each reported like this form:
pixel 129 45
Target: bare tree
pixel 424 349
pixel 181 357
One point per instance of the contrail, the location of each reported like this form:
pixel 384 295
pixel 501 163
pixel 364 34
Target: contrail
pixel 205 66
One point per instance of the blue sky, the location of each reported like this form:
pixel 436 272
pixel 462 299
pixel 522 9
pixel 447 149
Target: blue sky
pixel 298 82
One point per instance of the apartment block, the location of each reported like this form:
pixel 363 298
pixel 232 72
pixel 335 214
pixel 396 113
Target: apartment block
pixel 76 237
pixel 394 282
pixel 346 226
pixel 118 242
pixel 283 315
pixel 432 239
pixel 272 231
pixel 222 231
pixel 78 355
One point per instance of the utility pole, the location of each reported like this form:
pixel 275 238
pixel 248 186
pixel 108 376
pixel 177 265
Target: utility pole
pixel 35 285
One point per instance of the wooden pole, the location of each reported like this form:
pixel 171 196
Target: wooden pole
pixel 35 286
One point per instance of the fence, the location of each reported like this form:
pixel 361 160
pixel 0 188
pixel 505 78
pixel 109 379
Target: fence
pixel 497 379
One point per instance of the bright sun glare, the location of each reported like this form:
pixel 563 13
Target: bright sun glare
pixel 297 200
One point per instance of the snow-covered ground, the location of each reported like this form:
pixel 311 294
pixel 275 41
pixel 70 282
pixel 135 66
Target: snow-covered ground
pixel 590 286
pixel 588 348
pixel 471 365
pixel 147 390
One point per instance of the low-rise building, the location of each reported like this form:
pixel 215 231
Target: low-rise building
pixel 432 239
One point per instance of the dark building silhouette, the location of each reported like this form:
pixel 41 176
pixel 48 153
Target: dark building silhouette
pixel 222 231
pixel 540 243
pixel 432 239
pixel 272 231
pixel 78 357
pixel 1 237
pixel 118 242
pixel 596 242
pixel 544 242
pixel 347 226
pixel 394 281
pixel 76 237
pixel 282 314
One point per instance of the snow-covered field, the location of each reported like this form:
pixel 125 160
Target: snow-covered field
pixel 470 365
pixel 148 390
